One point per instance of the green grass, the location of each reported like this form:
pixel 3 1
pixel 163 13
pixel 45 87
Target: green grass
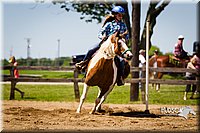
pixel 46 74
pixel 169 94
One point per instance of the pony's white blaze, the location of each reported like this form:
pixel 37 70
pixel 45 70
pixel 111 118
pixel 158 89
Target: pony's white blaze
pixel 124 46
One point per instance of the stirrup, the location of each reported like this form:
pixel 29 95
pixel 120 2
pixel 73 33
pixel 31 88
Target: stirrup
pixel 81 65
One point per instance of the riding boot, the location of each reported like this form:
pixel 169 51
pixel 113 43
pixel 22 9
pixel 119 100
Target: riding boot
pixel 81 65
pixel 120 79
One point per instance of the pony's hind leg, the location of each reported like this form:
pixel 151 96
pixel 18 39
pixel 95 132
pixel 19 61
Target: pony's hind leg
pixel 83 96
pixel 157 87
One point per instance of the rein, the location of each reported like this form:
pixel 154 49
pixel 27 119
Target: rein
pixel 123 53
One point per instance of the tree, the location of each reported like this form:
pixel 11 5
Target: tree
pixel 134 90
pixel 153 48
pixel 153 12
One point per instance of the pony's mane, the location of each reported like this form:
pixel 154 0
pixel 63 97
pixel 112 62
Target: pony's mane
pixel 107 46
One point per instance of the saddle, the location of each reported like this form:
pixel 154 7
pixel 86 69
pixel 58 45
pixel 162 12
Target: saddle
pixel 177 61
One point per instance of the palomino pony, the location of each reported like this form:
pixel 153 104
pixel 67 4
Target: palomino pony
pixel 102 69
pixel 165 61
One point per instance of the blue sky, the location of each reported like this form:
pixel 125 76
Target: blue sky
pixel 46 23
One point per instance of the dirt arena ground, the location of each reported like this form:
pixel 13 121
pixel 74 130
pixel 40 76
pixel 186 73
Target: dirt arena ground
pixel 56 116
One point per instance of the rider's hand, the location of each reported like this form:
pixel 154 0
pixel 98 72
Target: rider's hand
pixel 103 37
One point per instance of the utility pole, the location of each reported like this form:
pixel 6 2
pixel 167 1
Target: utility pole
pixel 58 52
pixel 28 40
pixel 11 51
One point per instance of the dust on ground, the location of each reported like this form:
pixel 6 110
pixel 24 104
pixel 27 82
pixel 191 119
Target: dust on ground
pixel 44 116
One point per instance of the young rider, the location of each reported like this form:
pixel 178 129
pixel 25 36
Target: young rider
pixel 108 29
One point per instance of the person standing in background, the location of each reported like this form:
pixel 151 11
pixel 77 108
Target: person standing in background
pixel 15 73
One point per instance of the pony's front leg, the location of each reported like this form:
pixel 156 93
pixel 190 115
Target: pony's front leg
pixel 83 96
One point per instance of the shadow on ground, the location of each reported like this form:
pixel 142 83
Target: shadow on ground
pixel 140 114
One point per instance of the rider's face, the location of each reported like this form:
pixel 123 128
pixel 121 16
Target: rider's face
pixel 119 16
pixel 180 40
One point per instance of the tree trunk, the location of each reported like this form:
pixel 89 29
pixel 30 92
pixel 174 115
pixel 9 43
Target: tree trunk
pixel 153 12
pixel 134 88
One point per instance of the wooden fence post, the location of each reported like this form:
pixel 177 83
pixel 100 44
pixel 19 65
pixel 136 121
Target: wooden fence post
pixel 12 89
pixel 198 83
pixel 76 87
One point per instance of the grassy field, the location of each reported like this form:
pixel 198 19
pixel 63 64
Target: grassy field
pixel 169 94
pixel 45 74
pixel 63 74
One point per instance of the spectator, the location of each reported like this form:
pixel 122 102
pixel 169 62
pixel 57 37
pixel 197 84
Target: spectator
pixel 155 56
pixel 142 62
pixel 153 59
pixel 193 64
pixel 15 73
pixel 142 59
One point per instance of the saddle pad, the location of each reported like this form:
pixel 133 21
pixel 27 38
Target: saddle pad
pixel 173 61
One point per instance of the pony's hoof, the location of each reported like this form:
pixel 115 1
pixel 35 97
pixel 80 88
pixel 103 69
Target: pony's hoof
pixel 22 95
pixel 184 98
pixel 78 111
pixel 92 112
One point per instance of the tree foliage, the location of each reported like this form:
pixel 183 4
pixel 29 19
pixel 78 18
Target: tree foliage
pixel 153 48
pixel 155 8
pixel 92 10
pixel 89 11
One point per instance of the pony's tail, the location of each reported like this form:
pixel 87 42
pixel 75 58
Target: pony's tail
pixel 109 18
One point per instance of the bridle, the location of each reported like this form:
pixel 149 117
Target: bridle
pixel 124 52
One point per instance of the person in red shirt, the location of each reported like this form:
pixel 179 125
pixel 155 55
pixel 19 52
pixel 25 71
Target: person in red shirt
pixel 179 52
pixel 15 73
pixel 13 62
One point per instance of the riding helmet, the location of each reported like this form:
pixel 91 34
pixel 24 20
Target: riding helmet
pixel 118 9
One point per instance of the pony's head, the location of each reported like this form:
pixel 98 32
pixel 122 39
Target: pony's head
pixel 116 45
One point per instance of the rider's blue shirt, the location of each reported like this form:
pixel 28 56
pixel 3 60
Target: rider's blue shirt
pixel 111 27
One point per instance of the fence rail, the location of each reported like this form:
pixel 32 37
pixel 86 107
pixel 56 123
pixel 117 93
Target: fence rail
pixel 75 79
